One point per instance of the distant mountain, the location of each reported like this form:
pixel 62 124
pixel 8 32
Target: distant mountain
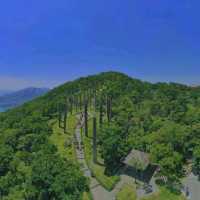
pixel 161 121
pixel 4 92
pixel 13 99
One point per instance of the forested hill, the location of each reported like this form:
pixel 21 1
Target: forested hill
pixel 161 119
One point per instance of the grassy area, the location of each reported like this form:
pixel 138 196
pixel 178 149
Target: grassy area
pixel 98 169
pixel 66 150
pixel 87 196
pixel 128 192
pixel 64 141
pixel 165 194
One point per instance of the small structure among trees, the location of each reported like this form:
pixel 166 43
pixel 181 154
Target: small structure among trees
pixel 137 159
pixel 139 166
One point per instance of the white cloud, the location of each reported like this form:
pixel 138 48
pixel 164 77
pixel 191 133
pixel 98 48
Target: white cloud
pixel 15 83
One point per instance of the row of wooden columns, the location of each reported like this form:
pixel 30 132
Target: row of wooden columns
pixel 84 103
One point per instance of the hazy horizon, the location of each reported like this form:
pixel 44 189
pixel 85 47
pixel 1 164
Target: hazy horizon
pixel 100 136
pixel 11 84
pixel 46 43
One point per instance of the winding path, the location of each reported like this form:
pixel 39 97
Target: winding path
pixel 97 190
pixel 193 184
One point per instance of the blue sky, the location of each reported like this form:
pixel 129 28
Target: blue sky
pixel 47 42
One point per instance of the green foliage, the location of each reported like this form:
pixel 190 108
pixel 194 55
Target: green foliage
pixel 113 147
pixel 62 141
pixel 54 178
pixel 98 169
pixel 127 192
pixel 197 159
pixel 161 119
pixel 165 194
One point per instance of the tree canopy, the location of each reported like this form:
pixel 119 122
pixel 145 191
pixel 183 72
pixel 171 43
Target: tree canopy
pixel 162 119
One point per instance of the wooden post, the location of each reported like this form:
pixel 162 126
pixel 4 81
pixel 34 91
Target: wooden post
pixel 109 107
pixel 86 116
pixel 80 102
pixel 65 119
pixel 90 98
pixel 94 132
pixel 71 104
pixel 59 115
pixel 75 103
pixel 101 112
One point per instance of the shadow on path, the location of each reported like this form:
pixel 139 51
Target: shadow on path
pixel 97 190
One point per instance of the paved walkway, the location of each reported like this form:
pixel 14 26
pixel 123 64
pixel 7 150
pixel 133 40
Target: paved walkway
pixel 141 193
pixel 124 180
pixel 194 187
pixel 98 191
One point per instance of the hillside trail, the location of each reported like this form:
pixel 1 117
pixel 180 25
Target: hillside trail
pixel 97 190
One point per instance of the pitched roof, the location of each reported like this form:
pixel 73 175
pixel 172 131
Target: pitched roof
pixel 137 159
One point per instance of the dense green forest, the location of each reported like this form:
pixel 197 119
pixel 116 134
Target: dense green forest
pixel 162 119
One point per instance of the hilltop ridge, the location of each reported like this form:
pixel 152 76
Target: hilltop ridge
pixel 161 119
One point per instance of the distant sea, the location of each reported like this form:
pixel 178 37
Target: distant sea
pixel 2 109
